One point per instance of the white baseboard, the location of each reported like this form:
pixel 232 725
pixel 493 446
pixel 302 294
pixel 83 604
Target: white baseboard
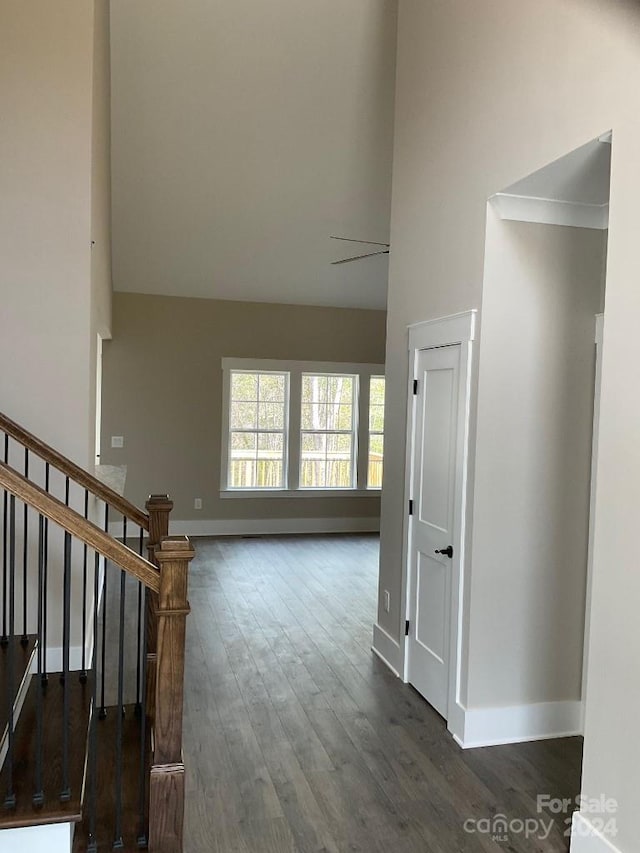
pixel 518 723
pixel 585 838
pixel 263 526
pixel 387 649
pixel 52 837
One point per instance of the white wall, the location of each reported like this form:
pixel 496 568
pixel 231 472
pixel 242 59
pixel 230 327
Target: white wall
pixel 542 290
pixel 487 92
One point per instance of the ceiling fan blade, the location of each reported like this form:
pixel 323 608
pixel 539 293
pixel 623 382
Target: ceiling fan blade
pixel 349 240
pixel 359 257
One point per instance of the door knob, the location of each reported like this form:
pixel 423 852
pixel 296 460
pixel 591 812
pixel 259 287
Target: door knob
pixel 447 552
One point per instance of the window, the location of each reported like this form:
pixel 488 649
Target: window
pixel 257 430
pixel 376 432
pixel 328 434
pixel 301 428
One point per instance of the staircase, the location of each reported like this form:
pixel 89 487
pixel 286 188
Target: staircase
pixel 92 643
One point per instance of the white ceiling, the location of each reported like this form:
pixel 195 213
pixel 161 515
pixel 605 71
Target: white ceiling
pixel 244 133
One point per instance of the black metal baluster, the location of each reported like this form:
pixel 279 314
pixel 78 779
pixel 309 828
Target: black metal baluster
pixel 83 673
pixel 118 843
pixel 5 550
pixel 44 678
pixel 10 797
pixel 142 832
pixel 25 555
pixel 103 710
pixel 65 793
pixel 92 846
pixel 66 491
pixel 38 794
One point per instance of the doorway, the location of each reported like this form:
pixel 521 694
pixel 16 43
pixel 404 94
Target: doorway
pixel 508 664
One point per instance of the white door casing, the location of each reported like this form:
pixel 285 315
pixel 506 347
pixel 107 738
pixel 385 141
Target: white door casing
pixel 440 354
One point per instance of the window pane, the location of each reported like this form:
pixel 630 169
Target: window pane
pixel 270 444
pixel 376 428
pixel 256 460
pixel 313 461
pixel 272 387
pixel 244 415
pixel 376 418
pixel 244 386
pixel 271 416
pixel 313 416
pixel 243 441
pixel 242 461
pixel 377 390
pixel 339 468
pixel 314 443
pixel 340 417
pixel 326 461
pixel 376 456
pixel 340 389
pixel 269 469
pixel 314 389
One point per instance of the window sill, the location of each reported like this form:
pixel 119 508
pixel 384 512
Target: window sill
pixel 299 493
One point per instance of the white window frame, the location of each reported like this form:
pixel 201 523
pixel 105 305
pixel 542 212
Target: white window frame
pixel 295 369
pixel 353 432
pixel 284 431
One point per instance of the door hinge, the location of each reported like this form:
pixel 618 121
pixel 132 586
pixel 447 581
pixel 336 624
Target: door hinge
pixel 406 628
pixel 410 507
pixel 415 387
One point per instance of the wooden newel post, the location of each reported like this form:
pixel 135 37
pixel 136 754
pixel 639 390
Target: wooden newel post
pixel 159 509
pixel 167 785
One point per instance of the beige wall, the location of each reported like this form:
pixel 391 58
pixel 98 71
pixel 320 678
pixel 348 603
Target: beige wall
pixel 54 137
pixel 487 92
pixel 46 84
pixel 101 282
pixel 162 391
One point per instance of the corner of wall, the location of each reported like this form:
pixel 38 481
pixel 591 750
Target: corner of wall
pixel 586 838
pixel 388 649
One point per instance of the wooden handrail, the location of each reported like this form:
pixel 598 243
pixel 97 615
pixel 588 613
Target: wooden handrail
pixel 84 530
pixel 75 472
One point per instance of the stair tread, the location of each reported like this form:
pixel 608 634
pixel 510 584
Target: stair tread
pixel 22 654
pixel 106 785
pixel 52 810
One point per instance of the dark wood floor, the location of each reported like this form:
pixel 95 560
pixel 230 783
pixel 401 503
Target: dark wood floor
pixel 298 739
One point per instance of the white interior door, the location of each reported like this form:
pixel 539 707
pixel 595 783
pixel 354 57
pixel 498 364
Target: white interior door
pixel 433 541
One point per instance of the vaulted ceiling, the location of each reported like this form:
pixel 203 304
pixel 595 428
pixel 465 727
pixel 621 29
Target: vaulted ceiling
pixel 244 134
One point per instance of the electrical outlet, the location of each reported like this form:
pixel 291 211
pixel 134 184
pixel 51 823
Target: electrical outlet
pixel 117 441
pixel 197 503
pixel 386 597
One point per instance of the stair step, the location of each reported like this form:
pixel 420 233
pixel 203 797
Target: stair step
pixel 106 785
pixel 52 810
pixel 23 657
